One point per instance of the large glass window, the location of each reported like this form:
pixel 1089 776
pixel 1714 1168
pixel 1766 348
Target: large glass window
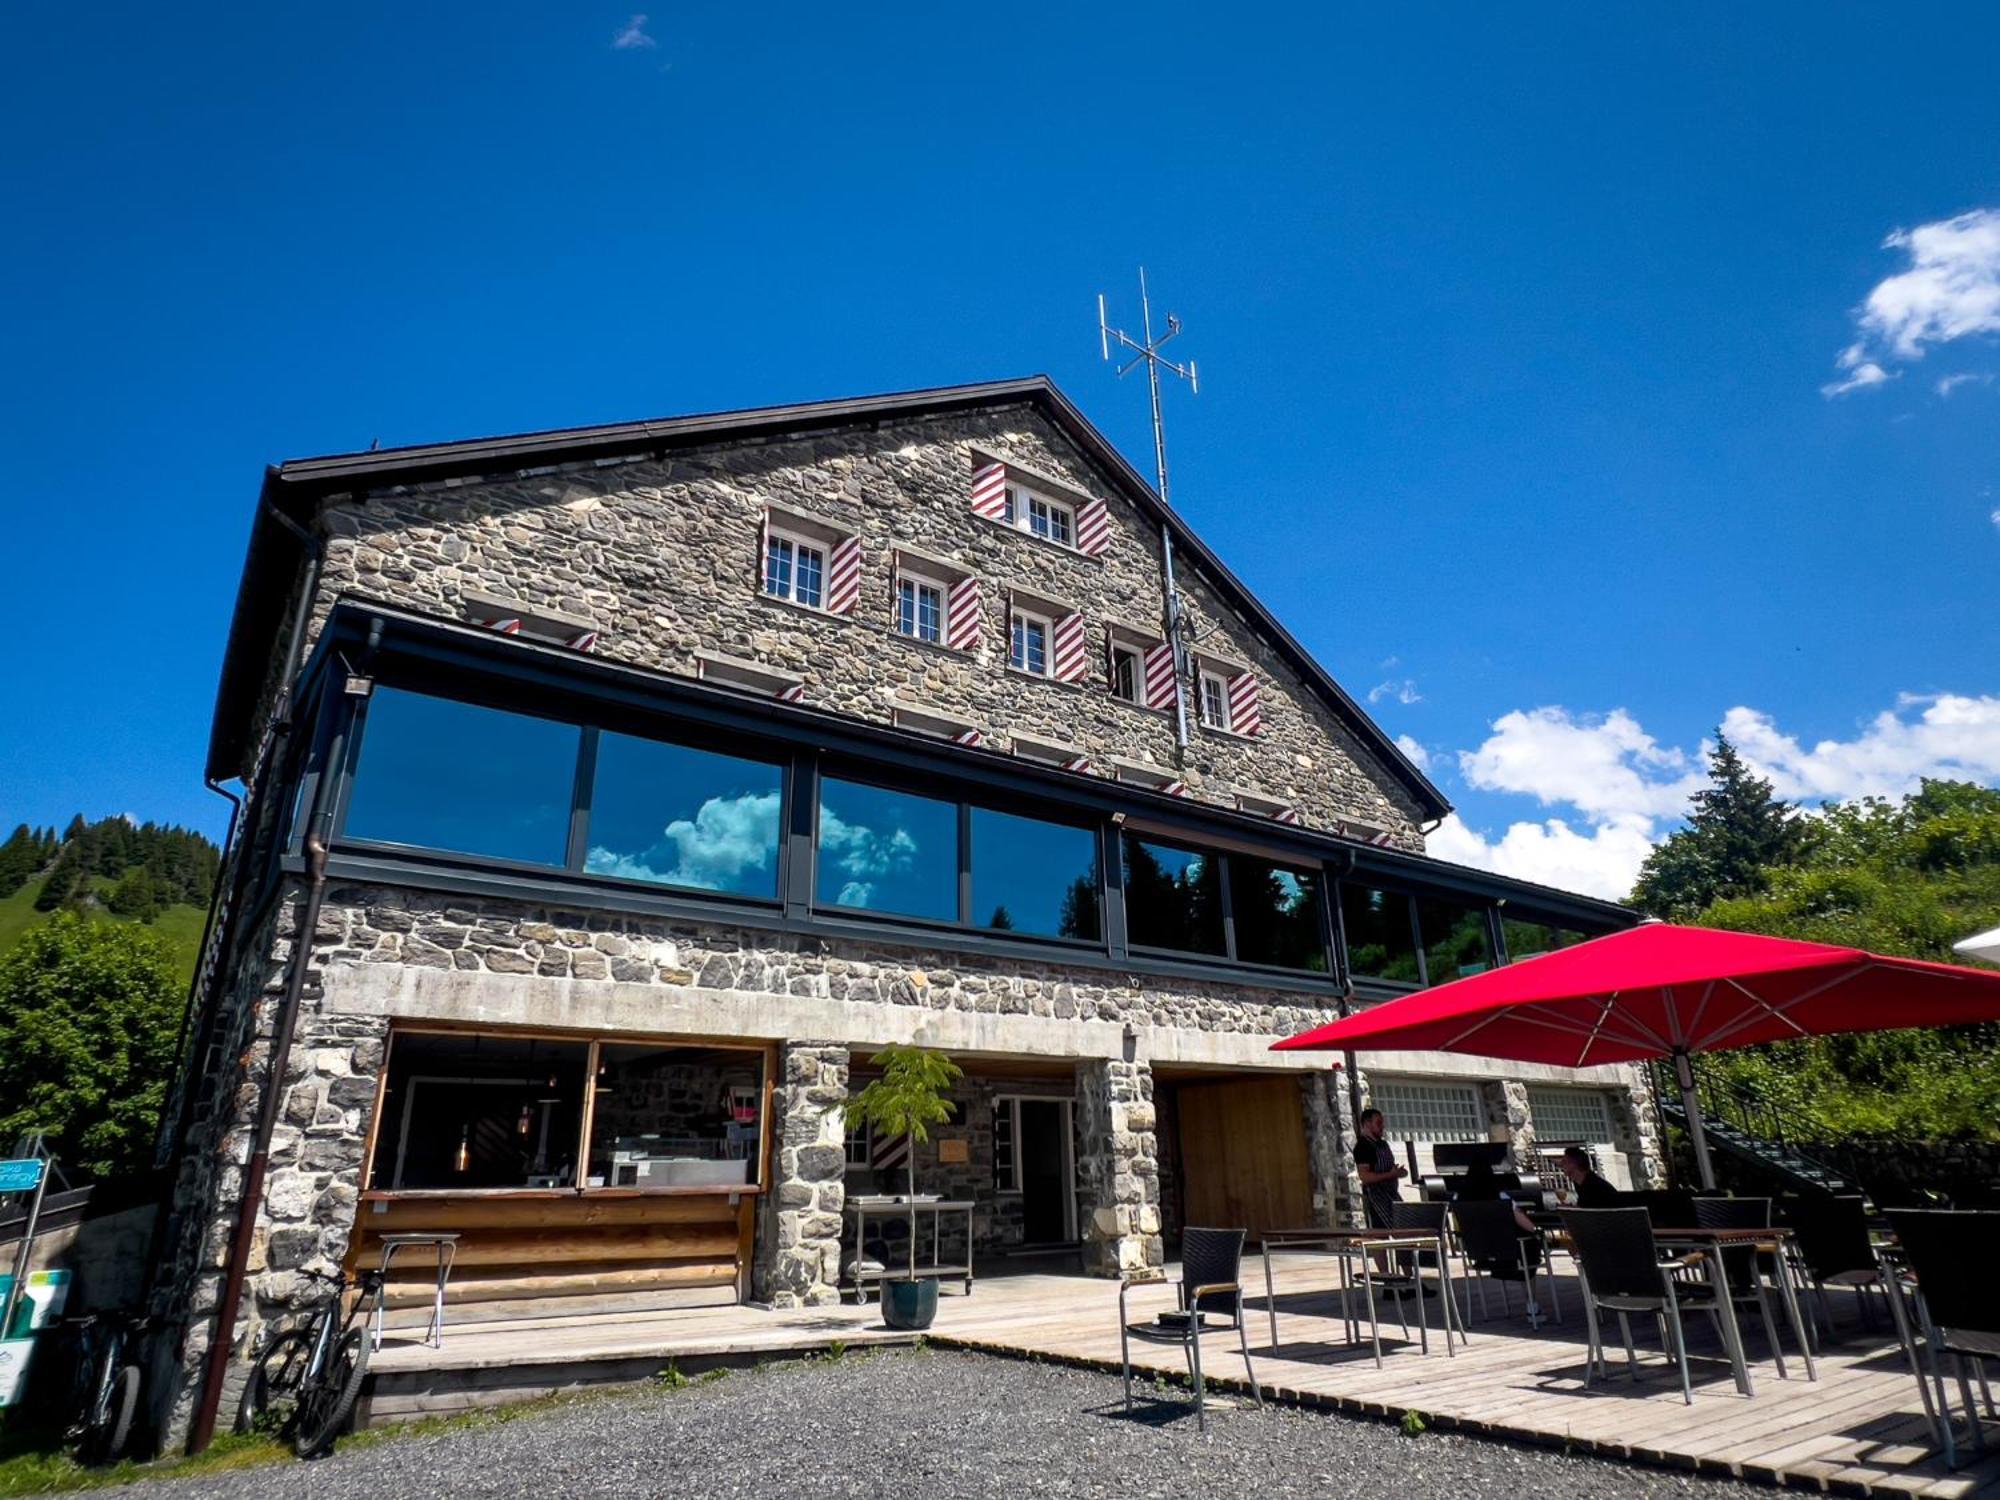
pixel 1032 876
pixel 1527 938
pixel 1379 941
pixel 480 1112
pixel 675 1117
pixel 1173 897
pixel 1456 940
pixel 1277 914
pixel 887 851
pixel 472 780
pixel 681 816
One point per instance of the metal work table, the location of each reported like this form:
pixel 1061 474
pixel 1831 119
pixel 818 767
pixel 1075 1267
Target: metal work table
pixel 1359 1244
pixel 866 1208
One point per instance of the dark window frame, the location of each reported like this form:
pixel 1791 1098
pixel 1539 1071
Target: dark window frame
pixel 1226 858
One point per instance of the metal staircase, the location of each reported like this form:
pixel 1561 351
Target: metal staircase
pixel 1752 1131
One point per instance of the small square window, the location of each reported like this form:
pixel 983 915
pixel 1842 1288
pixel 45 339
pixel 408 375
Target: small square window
pixel 1048 520
pixel 795 569
pixel 1214 700
pixel 1128 674
pixel 1031 645
pixel 920 609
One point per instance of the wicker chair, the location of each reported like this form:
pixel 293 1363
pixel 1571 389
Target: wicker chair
pixel 1210 1282
pixel 1949 1251
pixel 1621 1273
pixel 1497 1249
pixel 1833 1246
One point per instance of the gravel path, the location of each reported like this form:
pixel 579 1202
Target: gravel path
pixel 932 1423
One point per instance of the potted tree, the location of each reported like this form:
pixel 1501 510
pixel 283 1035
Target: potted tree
pixel 907 1099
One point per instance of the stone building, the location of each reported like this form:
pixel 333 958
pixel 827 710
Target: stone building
pixel 613 795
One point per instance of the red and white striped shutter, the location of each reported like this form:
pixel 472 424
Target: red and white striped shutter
pixel 583 640
pixel 989 492
pixel 1159 691
pixel 1175 788
pixel 792 692
pixel 758 573
pixel 1245 717
pixel 1287 815
pixel 1093 527
pixel 1077 763
pixel 961 615
pixel 1072 645
pixel 506 625
pixel 968 737
pixel 843 566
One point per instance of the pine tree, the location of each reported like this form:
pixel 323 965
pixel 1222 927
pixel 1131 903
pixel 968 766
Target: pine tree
pixel 1738 831
pixel 20 857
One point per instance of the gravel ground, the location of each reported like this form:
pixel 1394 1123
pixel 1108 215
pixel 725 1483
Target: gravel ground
pixel 934 1423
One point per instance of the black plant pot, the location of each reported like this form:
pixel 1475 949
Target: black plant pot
pixel 909 1306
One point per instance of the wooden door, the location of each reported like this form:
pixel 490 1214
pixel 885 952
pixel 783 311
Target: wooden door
pixel 1243 1155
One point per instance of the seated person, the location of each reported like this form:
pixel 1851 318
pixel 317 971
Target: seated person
pixel 1480 1185
pixel 1592 1191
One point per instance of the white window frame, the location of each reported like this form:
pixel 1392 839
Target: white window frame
pixel 1221 684
pixel 1429 1110
pixel 1554 1112
pixel 1017 618
pixel 798 542
pixel 1133 654
pixel 1020 513
pixel 920 582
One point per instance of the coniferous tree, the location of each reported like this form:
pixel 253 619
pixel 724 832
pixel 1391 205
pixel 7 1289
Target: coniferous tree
pixel 1738 831
pixel 20 857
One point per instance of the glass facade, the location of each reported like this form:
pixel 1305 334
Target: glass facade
pixel 1380 944
pixel 453 776
pixel 674 815
pixel 1276 911
pixel 1456 940
pixel 1034 876
pixel 1173 897
pixel 887 851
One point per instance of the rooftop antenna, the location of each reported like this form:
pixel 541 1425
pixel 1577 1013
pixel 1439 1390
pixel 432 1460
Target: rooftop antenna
pixel 1146 351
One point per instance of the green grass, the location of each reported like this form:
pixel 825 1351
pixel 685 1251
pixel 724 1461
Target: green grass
pixel 47 1473
pixel 180 925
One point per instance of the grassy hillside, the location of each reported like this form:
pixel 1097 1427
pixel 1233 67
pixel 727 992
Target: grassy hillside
pixel 179 924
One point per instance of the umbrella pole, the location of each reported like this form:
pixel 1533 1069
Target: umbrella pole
pixel 1691 1106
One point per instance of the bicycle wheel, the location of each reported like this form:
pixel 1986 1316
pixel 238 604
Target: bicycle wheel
pixel 271 1394
pixel 119 1414
pixel 327 1403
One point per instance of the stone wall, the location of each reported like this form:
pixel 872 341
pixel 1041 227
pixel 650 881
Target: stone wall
pixel 798 1259
pixel 1336 1184
pixel 1117 1169
pixel 661 557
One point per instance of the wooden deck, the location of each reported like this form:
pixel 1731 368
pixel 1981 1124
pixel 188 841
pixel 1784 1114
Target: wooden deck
pixel 1858 1429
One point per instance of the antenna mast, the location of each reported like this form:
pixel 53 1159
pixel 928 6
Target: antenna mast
pixel 1146 351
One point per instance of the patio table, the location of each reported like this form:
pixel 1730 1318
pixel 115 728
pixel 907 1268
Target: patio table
pixel 1771 1241
pixel 1353 1244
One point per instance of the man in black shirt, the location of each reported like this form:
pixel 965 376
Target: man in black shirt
pixel 1376 1159
pixel 1592 1191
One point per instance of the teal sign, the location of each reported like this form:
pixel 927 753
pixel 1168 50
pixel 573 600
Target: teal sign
pixel 21 1176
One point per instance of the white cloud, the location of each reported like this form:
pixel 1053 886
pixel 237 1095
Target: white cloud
pixel 1601 861
pixel 726 836
pixel 631 37
pixel 1951 383
pixel 1626 789
pixel 1950 291
pixel 1949 736
pixel 1404 691
pixel 1607 768
pixel 1419 756
pixel 862 852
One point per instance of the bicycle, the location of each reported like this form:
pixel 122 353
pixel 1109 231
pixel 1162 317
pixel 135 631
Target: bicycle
pixel 305 1385
pixel 106 1393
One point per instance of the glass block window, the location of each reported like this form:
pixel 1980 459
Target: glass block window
pixel 1581 1116
pixel 1416 1111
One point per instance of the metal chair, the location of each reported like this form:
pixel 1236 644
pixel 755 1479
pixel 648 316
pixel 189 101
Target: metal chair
pixel 1621 1273
pixel 1497 1248
pixel 1210 1282
pixel 1744 1263
pixel 1947 1251
pixel 1831 1234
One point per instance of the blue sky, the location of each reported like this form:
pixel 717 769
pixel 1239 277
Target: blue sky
pixel 1517 328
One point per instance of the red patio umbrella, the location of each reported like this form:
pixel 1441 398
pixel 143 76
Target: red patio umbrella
pixel 1658 990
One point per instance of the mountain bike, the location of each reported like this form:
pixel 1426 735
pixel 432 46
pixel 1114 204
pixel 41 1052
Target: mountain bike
pixel 307 1382
pixel 108 1378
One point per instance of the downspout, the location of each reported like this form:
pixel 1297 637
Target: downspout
pixel 1171 617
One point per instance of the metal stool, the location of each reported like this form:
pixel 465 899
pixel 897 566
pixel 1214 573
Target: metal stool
pixel 446 1248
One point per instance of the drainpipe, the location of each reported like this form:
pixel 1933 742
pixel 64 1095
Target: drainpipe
pixel 1172 613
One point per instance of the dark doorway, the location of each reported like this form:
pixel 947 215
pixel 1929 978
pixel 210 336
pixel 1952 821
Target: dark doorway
pixel 1045 1188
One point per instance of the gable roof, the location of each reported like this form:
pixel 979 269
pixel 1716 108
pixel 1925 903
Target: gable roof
pixel 293 492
